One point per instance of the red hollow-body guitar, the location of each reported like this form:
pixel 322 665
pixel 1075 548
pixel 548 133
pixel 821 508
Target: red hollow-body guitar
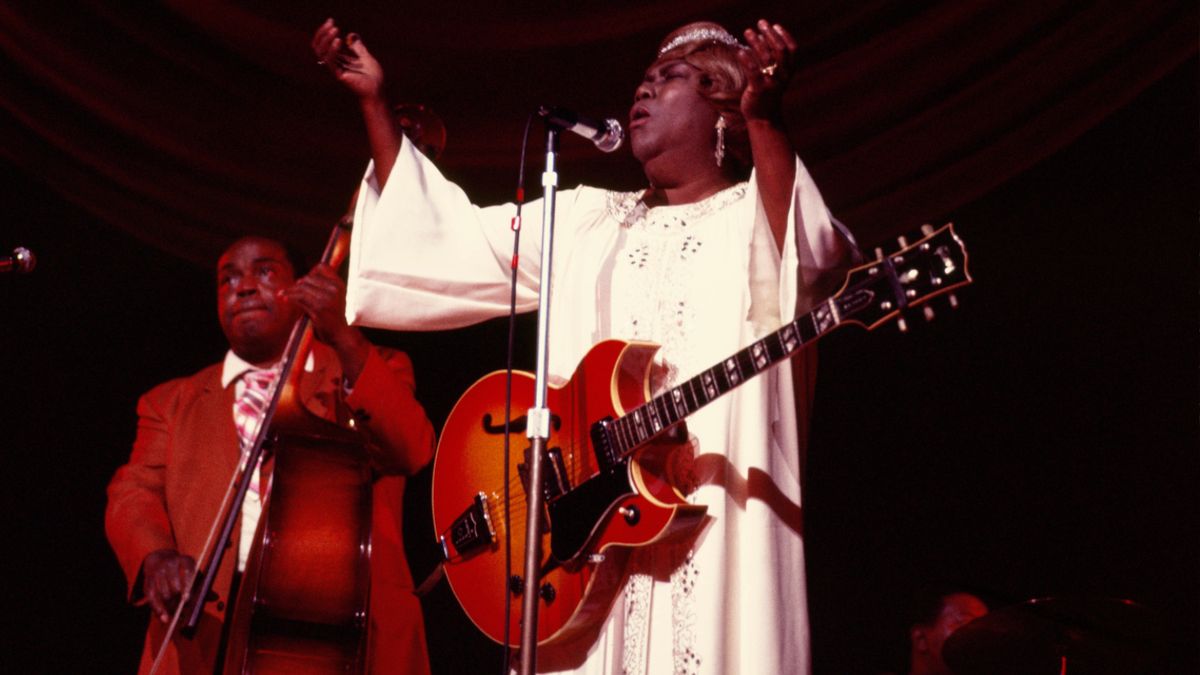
pixel 603 492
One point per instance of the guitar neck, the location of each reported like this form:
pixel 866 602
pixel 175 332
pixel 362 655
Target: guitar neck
pixel 874 293
pixel 651 418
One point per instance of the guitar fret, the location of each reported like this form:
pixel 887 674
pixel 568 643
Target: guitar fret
pixel 623 435
pixel 789 338
pixel 665 411
pixel 733 372
pixel 639 425
pixel 824 317
pixel 746 364
pixel 708 380
pixel 691 389
pixel 677 400
pixel 656 424
pixel 631 433
pixel 760 355
pixel 808 329
pixel 660 413
pixel 722 380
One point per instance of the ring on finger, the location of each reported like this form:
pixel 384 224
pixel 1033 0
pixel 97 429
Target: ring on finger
pixel 769 69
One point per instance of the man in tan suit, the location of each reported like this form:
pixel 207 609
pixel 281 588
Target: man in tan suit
pixel 162 503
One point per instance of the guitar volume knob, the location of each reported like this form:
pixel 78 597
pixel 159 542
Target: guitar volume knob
pixel 631 513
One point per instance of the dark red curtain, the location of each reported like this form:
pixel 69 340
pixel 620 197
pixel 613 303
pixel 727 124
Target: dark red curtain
pixel 188 122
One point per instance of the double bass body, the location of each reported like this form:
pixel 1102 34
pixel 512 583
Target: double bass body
pixel 302 604
pixel 303 600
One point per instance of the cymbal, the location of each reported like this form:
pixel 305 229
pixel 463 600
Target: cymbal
pixel 1057 636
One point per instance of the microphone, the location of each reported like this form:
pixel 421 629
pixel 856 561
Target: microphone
pixel 607 135
pixel 21 261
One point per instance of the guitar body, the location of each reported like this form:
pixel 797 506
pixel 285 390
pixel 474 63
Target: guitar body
pixel 597 513
pixel 605 486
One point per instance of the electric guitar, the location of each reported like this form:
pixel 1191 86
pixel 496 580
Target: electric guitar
pixel 603 492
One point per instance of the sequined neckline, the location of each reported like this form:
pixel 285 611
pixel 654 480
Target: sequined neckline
pixel 628 208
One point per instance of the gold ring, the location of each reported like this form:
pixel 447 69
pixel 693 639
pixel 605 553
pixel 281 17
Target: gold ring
pixel 769 69
pixel 320 62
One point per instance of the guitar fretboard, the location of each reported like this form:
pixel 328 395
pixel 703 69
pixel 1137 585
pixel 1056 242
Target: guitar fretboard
pixel 874 293
pixel 659 413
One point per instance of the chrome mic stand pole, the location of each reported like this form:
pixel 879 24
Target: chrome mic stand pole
pixel 538 429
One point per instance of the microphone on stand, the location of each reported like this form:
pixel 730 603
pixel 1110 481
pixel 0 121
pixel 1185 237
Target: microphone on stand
pixel 22 261
pixel 607 134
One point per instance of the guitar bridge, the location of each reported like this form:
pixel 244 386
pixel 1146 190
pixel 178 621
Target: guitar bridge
pixel 470 531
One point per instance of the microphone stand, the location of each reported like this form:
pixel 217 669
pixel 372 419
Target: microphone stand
pixel 538 429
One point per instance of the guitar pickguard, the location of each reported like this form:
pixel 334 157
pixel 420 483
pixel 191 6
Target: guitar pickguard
pixel 576 516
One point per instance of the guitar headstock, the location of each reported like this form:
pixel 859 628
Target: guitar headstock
pixel 933 265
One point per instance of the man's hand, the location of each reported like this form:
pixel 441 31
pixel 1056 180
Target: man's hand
pixel 321 294
pixel 165 575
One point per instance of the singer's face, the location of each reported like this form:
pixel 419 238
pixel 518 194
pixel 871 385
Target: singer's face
pixel 669 112
pixel 255 318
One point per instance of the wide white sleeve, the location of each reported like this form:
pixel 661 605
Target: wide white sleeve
pixel 814 253
pixel 423 257
pixel 785 283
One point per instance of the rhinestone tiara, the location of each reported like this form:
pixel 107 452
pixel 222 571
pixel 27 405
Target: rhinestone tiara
pixel 701 35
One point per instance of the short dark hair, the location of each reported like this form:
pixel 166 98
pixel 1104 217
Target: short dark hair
pixel 299 262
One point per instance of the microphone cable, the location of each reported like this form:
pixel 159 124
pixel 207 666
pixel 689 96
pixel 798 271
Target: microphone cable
pixel 512 328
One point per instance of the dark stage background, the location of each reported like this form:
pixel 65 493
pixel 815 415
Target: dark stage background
pixel 1041 440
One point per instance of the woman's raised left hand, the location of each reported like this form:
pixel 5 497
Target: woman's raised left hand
pixel 769 64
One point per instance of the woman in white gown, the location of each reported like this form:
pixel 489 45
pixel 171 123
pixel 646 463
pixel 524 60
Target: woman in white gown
pixel 730 240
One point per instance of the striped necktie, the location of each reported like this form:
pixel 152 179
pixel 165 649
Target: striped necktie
pixel 250 404
pixel 248 411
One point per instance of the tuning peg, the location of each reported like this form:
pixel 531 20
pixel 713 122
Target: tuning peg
pixel 953 300
pixel 928 312
pixel 927 229
pixel 878 253
pixel 902 325
pixel 903 241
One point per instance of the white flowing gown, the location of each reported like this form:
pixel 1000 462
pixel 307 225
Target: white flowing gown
pixel 703 280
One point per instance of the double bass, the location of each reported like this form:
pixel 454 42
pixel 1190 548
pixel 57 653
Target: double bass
pixel 302 604
pixel 303 598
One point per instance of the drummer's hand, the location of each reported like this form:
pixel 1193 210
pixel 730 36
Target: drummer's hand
pixel 348 60
pixel 769 64
pixel 165 574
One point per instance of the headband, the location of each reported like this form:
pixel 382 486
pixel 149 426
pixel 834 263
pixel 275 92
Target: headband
pixel 703 34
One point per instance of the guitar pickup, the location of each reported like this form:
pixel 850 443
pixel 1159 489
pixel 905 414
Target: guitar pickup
pixel 470 531
pixel 602 444
pixel 555 481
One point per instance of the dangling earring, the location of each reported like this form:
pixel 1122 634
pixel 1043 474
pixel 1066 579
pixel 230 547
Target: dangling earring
pixel 720 153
